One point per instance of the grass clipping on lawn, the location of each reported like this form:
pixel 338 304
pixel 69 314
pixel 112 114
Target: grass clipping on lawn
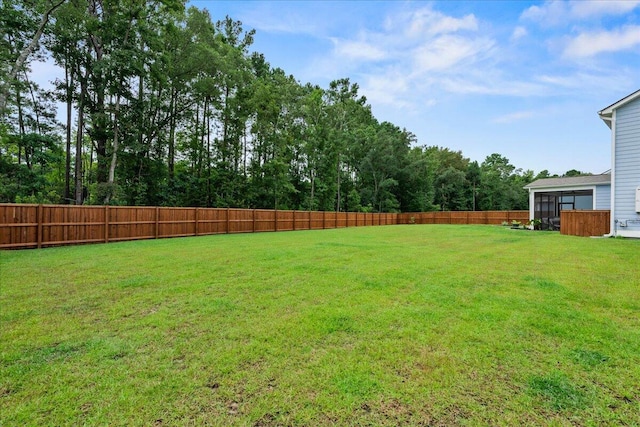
pixel 432 325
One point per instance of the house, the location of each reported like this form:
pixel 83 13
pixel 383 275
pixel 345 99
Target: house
pixel 548 196
pixel 623 118
pixel 617 191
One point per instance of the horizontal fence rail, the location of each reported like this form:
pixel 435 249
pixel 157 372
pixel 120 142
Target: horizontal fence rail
pixel 37 226
pixel 464 217
pixel 585 223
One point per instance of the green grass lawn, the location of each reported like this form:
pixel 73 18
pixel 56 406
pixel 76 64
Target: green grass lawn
pixel 414 325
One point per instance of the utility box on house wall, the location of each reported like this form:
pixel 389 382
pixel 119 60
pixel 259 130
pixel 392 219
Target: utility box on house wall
pixel 638 200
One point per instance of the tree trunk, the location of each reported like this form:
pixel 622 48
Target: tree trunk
pixel 28 50
pixel 114 154
pixel 338 181
pixel 79 136
pixel 313 188
pixel 474 196
pixel 21 129
pixel 99 125
pixel 68 77
pixel 207 120
pixel 172 135
pixel 244 157
pixel 224 149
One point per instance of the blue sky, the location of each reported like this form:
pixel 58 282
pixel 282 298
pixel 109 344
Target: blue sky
pixel 524 79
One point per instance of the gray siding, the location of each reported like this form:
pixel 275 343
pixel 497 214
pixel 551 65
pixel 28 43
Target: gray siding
pixel 603 197
pixel 627 162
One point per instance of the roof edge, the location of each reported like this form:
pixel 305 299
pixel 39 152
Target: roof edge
pixel 588 184
pixel 606 113
pixel 560 182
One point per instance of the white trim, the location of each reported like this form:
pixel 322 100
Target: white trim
pixel 604 113
pixel 607 182
pixel 612 225
pixel 628 233
pixel 571 188
pixel 532 204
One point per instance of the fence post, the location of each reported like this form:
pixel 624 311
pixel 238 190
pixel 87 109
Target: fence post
pixel 196 221
pixel 324 218
pixel 253 218
pixel 106 224
pixel 228 229
pixel 157 231
pixel 294 220
pixel 347 220
pixel 309 220
pixel 275 220
pixel 39 229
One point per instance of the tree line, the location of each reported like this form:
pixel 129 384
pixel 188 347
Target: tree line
pixel 165 107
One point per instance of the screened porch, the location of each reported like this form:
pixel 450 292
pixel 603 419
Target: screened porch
pixel 548 205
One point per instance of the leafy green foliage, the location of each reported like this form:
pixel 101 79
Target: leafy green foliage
pixel 166 107
pixel 35 179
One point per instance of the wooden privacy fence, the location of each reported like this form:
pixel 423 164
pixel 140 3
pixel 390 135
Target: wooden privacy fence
pixel 585 223
pixel 36 226
pixel 466 217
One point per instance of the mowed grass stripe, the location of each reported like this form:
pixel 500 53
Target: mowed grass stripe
pixel 388 325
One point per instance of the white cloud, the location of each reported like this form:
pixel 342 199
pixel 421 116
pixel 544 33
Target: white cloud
pixel 589 82
pixel 491 85
pixel 554 12
pixel 266 18
pixel 390 89
pixel 411 60
pixel 591 44
pixel 587 9
pixel 357 50
pixel 422 40
pixel 513 117
pixel 419 55
pixel 518 33
pixel 429 22
pixel 416 42
pixel 550 13
pixel 445 52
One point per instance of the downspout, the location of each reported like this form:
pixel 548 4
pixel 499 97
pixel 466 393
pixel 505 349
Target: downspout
pixel 532 207
pixel 613 174
pixel 613 224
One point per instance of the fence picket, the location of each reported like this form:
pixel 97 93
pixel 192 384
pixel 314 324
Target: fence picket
pixel 24 226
